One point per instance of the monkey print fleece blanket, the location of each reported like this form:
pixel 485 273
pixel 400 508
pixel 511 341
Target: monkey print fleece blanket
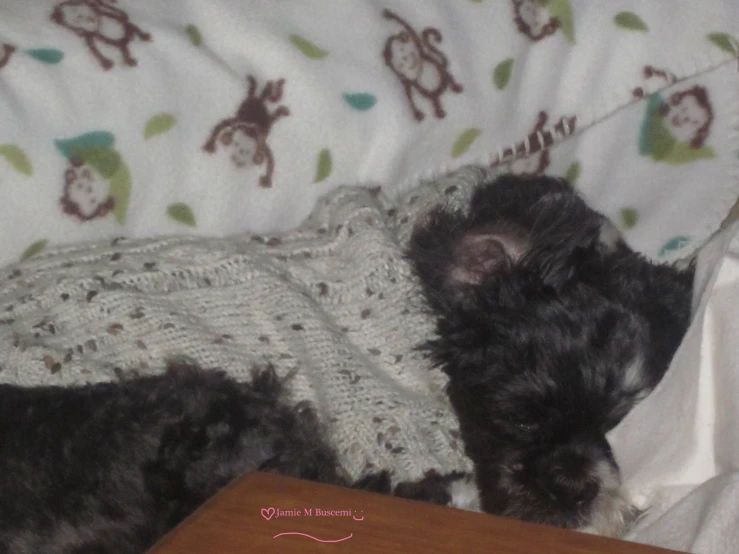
pixel 141 119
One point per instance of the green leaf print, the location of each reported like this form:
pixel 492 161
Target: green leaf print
pixel 34 249
pixel 323 165
pixel 308 49
pixel 562 11
pixel 94 139
pixel 661 142
pixel 682 153
pixel 675 243
pixel 502 73
pixel 16 158
pixel 158 124
pixel 726 42
pixel 573 173
pixel 46 55
pixel 194 35
pixel 120 190
pixel 464 141
pixel 181 213
pixel 105 160
pixel 361 101
pixel 630 21
pixel 629 217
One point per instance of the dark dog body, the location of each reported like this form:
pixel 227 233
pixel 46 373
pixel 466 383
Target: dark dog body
pixel 550 329
pixel 109 468
pixel 112 467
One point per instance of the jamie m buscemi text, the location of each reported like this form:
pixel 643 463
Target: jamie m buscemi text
pixel 313 512
pixel 272 512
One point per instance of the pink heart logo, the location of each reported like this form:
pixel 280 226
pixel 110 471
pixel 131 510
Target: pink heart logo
pixel 267 513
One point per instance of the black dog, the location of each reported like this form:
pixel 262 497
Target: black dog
pixel 550 329
pixel 109 468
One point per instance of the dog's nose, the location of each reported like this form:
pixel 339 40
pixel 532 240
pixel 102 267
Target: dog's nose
pixel 569 480
pixel 575 492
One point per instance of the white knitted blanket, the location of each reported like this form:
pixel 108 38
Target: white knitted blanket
pixel 335 302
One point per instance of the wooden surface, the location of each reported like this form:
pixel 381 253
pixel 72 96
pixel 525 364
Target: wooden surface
pixel 233 523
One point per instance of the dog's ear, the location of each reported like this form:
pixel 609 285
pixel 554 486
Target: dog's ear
pixel 453 259
pixel 478 255
pixel 460 265
pixel 518 237
pixel 493 255
pixel 537 226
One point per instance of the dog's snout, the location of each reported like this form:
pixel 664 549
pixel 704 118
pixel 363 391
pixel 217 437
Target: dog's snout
pixel 569 479
pixel 576 492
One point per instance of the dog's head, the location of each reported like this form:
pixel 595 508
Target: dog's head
pixel 544 348
pixel 536 390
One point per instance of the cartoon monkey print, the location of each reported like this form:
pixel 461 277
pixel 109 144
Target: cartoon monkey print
pixel 688 115
pixel 676 127
pixel 245 134
pixel 531 156
pixel 533 20
pixel 99 22
pixel 421 67
pixel 85 194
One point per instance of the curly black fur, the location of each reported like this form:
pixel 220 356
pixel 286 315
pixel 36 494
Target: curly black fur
pixel 111 467
pixel 550 329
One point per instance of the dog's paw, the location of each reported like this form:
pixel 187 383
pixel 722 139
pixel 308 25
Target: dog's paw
pixel 464 493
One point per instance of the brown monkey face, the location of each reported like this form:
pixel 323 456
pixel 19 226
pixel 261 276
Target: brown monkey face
pixel 243 147
pixel 80 17
pixel 533 15
pixel 405 57
pixel 686 117
pixel 86 189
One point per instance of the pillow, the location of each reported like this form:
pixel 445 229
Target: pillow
pixel 180 116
